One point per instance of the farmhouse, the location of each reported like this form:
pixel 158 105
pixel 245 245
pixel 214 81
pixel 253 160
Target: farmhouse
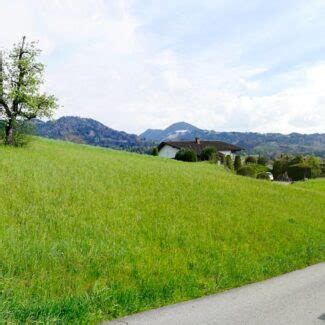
pixel 168 149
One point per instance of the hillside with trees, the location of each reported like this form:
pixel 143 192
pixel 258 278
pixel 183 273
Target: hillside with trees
pixel 87 131
pixel 265 144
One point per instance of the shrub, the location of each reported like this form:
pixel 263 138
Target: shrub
pixel 280 166
pixel 229 163
pixel 261 160
pixel 252 170
pixel 322 168
pixel 238 163
pixel 214 158
pixel 250 160
pixel 315 165
pixel 297 168
pixel 299 171
pixel 247 170
pixel 186 155
pixel 154 151
pixel 222 158
pixel 260 168
pixel 208 152
pixel 263 175
pixel 296 160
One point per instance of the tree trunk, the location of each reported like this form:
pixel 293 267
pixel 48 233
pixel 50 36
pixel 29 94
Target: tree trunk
pixel 9 136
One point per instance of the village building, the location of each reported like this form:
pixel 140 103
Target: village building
pixel 169 149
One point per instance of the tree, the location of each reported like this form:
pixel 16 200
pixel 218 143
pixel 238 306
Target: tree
pixel 186 155
pixel 222 159
pixel 238 162
pixel 280 166
pixel 315 165
pixel 261 160
pixel 208 153
pixel 228 162
pixel 300 159
pixel 297 168
pixel 250 160
pixel 21 78
pixel 154 151
pixel 299 171
pixel 247 170
pixel 302 167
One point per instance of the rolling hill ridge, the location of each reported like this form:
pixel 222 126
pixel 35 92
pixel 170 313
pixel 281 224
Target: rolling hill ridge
pixel 89 131
pixel 259 143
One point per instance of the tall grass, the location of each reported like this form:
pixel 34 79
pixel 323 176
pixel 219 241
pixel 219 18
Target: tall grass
pixel 88 234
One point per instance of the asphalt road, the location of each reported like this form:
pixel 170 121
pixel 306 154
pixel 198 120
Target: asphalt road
pixel 294 298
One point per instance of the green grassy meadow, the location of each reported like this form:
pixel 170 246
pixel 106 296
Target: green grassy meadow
pixel 88 234
pixel 312 185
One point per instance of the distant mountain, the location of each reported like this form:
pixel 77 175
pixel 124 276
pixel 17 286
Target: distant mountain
pixel 89 131
pixel 270 144
pixel 174 131
pixel 86 130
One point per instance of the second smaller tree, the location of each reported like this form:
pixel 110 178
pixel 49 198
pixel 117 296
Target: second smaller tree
pixel 238 163
pixel 229 163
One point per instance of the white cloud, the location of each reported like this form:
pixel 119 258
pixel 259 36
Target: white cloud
pixel 103 63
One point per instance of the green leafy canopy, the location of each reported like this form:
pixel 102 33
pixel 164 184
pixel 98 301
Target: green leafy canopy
pixel 21 80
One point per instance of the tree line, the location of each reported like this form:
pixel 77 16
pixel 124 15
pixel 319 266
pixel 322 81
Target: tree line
pixel 283 168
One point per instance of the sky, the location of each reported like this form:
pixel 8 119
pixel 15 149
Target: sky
pixel 221 65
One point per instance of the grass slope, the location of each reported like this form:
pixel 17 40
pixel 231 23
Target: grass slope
pixel 312 185
pixel 90 234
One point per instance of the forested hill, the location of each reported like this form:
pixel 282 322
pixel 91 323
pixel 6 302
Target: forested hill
pixel 260 143
pixel 85 130
pixel 89 131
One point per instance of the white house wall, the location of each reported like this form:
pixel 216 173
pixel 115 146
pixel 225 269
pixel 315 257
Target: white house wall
pixel 226 153
pixel 168 152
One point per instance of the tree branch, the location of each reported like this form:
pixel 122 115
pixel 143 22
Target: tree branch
pixel 28 116
pixel 5 107
pixel 21 75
